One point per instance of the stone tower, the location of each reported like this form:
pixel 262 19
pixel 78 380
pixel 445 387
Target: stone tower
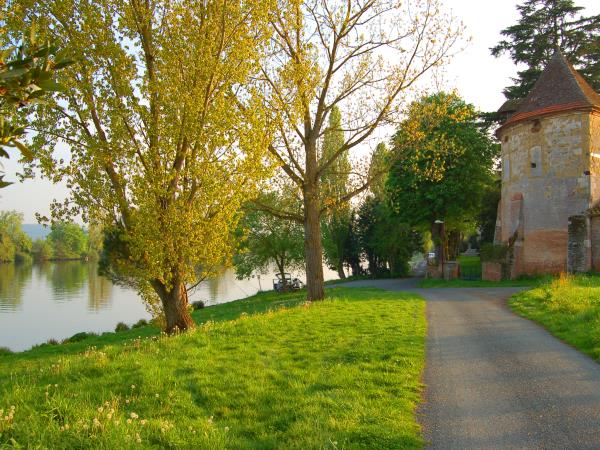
pixel 549 211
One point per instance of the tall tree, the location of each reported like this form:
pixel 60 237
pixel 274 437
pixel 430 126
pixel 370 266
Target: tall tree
pixel 329 53
pixel 334 181
pixel 166 139
pixel 266 241
pixel 544 26
pixel 443 167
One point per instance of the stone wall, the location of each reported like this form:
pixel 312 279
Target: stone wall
pixel 546 161
pixel 578 253
pixel 595 242
pixel 593 135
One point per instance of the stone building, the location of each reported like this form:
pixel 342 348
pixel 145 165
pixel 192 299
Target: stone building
pixel 549 212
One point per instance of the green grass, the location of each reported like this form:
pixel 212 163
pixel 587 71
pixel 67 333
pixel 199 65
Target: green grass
pixel 343 373
pixel 569 307
pixel 258 303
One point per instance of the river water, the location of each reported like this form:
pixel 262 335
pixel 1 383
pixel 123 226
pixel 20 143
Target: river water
pixel 55 300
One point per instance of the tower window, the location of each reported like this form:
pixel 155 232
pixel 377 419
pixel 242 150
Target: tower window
pixel 537 126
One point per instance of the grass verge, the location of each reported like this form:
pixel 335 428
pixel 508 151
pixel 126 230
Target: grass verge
pixel 568 307
pixel 343 373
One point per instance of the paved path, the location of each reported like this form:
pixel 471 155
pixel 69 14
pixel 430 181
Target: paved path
pixel 497 381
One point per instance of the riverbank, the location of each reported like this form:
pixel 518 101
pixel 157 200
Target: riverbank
pixel 268 371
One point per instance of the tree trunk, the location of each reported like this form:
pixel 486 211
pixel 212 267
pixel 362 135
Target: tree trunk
pixel 281 267
pixel 340 270
pixel 312 244
pixel 175 307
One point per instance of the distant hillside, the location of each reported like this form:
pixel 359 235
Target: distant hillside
pixel 36 231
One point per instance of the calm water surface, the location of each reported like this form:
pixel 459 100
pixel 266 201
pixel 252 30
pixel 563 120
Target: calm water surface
pixel 58 299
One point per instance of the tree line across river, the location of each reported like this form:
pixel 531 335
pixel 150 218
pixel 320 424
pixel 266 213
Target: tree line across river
pixel 65 241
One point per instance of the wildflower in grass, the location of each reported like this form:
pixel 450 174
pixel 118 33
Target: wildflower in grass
pixel 143 421
pixel 138 439
pixel 156 395
pixel 133 415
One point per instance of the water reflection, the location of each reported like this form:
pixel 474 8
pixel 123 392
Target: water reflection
pixel 13 278
pixel 67 279
pixel 58 299
pixel 100 291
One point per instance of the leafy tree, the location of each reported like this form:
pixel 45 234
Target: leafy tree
pixel 337 229
pixel 367 217
pixel 443 165
pixel 26 75
pixel 94 242
pixel 15 245
pixel 166 137
pixel 352 252
pixel 489 211
pixel 41 250
pixel 326 53
pixel 334 181
pixel 544 26
pixel 68 240
pixel 7 248
pixel 387 242
pixel 266 241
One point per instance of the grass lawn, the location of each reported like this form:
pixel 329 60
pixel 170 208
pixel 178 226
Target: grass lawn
pixel 569 307
pixel 343 373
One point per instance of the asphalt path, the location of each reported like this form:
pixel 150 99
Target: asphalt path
pixel 497 381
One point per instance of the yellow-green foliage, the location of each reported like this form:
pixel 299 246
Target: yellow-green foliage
pixel 343 373
pixel 569 307
pixel 166 138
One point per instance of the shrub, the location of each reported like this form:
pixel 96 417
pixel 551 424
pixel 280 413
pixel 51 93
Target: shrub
pixel 494 253
pixel 198 305
pixel 121 327
pixel 140 323
pixel 78 337
pixel 5 351
pixel 52 342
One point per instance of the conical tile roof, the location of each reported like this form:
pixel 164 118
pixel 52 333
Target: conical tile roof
pixel 559 88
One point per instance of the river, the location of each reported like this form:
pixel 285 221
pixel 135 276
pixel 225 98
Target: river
pixel 55 300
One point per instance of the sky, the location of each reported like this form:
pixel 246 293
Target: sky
pixel 477 76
